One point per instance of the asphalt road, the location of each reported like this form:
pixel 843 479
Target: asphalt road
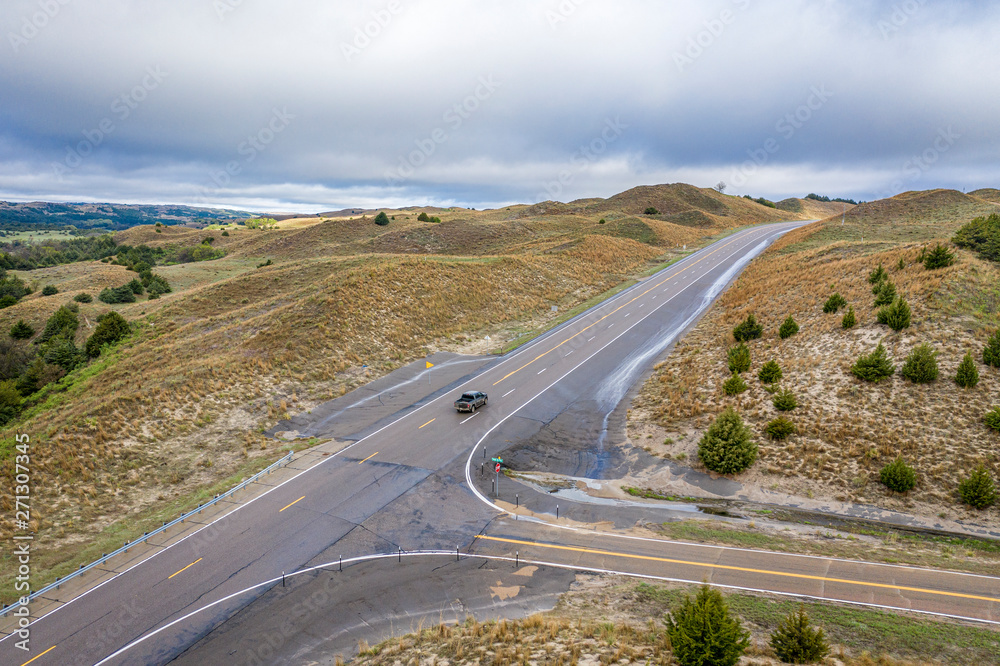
pixel 409 483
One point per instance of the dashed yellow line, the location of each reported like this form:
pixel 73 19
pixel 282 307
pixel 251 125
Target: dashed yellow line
pixel 427 424
pixel 368 458
pixel 727 567
pixel 293 503
pixel 184 569
pixel 655 286
pixel 39 656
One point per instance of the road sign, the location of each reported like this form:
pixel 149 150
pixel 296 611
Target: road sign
pixel 429 365
pixel 497 468
pixel 497 460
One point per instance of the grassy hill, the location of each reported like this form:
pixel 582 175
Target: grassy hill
pixel 41 215
pixel 849 429
pixel 811 208
pixel 179 406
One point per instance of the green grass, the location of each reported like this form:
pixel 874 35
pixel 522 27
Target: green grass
pixel 647 493
pixel 856 629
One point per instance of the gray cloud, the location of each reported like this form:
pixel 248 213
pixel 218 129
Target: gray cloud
pixel 384 102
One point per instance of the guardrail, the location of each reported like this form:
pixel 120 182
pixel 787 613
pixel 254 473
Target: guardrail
pixel 146 535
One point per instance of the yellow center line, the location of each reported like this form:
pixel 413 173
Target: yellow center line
pixel 294 503
pixel 39 656
pixel 626 304
pixel 186 568
pixel 727 567
pixel 427 424
pixel 362 462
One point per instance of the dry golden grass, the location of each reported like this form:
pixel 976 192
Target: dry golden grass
pixel 847 429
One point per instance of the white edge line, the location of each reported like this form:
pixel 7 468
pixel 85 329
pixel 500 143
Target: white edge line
pixel 469 419
pixel 501 558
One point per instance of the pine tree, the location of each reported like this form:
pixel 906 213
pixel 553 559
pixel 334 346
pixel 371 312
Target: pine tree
pixel 21 330
pixel 874 367
pixel 796 642
pixel 788 328
pixel 877 275
pixel 785 401
pixel 702 633
pixel 992 419
pixel 748 329
pixel 885 293
pixel 895 316
pixel 769 373
pixel 834 303
pixel 727 447
pixel 734 385
pixel 739 358
pixel 382 219
pixel 921 365
pixel 991 352
pixel 780 428
pixel 939 257
pixel 968 374
pixel 978 489
pixel 849 320
pixel 898 476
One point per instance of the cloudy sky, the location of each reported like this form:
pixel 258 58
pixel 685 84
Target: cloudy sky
pixel 311 105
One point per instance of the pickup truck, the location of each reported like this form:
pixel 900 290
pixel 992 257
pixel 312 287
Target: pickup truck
pixel 470 401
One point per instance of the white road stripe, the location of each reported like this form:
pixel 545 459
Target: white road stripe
pixel 470 418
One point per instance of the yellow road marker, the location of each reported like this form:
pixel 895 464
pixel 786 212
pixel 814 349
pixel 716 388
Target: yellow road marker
pixel 294 503
pixel 186 568
pixel 727 567
pixel 365 460
pixel 39 656
pixel 427 424
pixel 429 365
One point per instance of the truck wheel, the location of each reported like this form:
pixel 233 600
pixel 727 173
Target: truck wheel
pixel 486 401
pixel 473 409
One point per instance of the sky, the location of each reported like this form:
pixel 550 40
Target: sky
pixel 310 105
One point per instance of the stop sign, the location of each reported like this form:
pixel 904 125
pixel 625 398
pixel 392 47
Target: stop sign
pixel 497 469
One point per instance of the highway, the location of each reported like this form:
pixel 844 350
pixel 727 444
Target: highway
pixel 411 482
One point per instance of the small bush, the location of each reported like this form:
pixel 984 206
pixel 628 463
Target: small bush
pixel 785 401
pixel 225 232
pixel 423 217
pixel 849 320
pixel 991 352
pixel 901 264
pixel 921 365
pixel 734 385
pixel 21 330
pixel 601 221
pixel 62 324
pixel 49 290
pixel 992 419
pixel 789 327
pixel 122 294
pixel 878 275
pixel 780 428
pixel 159 230
pixel 136 287
pixel 651 211
pixel 874 367
pixel 7 300
pixel 968 374
pixel 265 264
pixel 208 240
pixel 748 329
pixel 834 303
pixel 382 219
pixel 939 257
pixel 739 358
pixel 702 633
pixel 885 293
pixel 895 316
pixel 769 373
pixel 978 490
pixel 897 476
pixel 727 447
pixel 795 641
pixel 83 298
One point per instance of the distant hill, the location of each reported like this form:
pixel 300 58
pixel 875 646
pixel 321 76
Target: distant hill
pixel 813 208
pixel 38 215
pixel 987 194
